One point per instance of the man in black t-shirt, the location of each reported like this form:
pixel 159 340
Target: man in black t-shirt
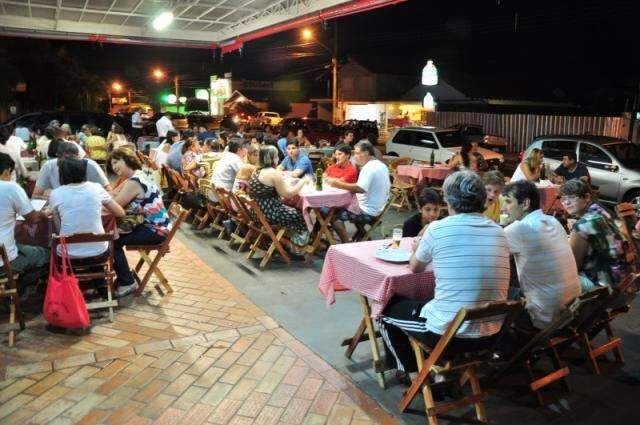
pixel 429 205
pixel 570 169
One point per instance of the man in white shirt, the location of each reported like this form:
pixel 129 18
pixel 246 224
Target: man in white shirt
pixel 226 169
pixel 49 176
pixel 470 258
pixel 546 267
pixel 26 260
pixel 163 125
pixel 10 145
pixel 372 190
pixel 136 125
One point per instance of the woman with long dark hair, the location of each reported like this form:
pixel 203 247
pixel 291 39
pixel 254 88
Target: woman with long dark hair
pixel 464 160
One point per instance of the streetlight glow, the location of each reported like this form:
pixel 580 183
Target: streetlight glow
pixel 116 87
pixel 307 34
pixel 162 21
pixel 158 74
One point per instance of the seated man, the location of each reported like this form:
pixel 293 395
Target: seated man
pixel 493 184
pixel 597 244
pixel 296 163
pixel 429 204
pixel 49 177
pixel 462 280
pixel 570 169
pixel 227 167
pixel 29 261
pixel 371 189
pixel 546 269
pixel 343 169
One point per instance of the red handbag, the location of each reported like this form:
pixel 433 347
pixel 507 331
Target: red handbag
pixel 64 304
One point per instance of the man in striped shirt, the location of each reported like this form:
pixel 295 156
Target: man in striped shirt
pixel 470 258
pixel 546 267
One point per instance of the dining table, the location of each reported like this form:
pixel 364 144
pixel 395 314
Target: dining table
pixel 320 206
pixel 356 267
pixel 422 172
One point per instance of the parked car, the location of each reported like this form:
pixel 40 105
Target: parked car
pixel 201 119
pixel 419 142
pixel 75 119
pixel 475 133
pixel 614 164
pixel 265 118
pixel 361 128
pixel 315 129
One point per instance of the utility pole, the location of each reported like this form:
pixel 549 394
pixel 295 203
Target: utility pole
pixel 334 64
pixel 176 88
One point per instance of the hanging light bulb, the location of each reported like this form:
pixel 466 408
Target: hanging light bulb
pixel 162 21
pixel 428 104
pixel 430 74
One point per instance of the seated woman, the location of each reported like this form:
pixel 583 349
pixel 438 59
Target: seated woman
pixel 241 183
pixel 267 186
pixel 42 144
pixel 530 168
pixel 190 167
pixel 77 207
pixel 141 197
pixel 162 153
pixel 493 185
pixel 464 160
pixel 116 137
pixel 303 141
pixel 429 204
pixel 598 246
pixel 343 169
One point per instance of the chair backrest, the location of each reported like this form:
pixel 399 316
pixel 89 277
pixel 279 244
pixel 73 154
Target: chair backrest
pixel 627 213
pixel 178 214
pixel 252 206
pixel 223 197
pixel 6 268
pixel 405 160
pixel 571 317
pixel 244 214
pixel 79 238
pixel 179 182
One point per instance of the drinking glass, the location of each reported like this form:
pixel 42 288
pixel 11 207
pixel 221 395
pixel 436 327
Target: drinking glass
pixel 396 237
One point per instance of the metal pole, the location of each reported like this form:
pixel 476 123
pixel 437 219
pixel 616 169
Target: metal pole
pixel 334 64
pixel 177 88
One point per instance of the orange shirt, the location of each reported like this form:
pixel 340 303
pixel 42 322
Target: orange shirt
pixel 348 173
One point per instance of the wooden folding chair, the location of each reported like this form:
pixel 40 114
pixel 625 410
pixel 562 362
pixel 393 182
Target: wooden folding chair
pixel 462 364
pixel 90 269
pixel 9 289
pixel 617 303
pixel 236 212
pixel 178 183
pixel 266 234
pixel 244 218
pixel 627 213
pixel 362 234
pixel 545 342
pixel 401 190
pixel 201 218
pixel 179 214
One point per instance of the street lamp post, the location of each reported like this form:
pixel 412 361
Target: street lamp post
pixel 159 74
pixel 307 34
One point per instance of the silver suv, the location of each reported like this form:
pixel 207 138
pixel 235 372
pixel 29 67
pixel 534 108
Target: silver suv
pixel 614 164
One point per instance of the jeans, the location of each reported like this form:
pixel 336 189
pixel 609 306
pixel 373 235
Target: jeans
pixel 141 235
pixel 31 263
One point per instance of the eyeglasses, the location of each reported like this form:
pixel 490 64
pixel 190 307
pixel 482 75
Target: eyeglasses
pixel 567 199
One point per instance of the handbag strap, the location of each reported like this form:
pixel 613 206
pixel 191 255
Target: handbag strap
pixel 66 262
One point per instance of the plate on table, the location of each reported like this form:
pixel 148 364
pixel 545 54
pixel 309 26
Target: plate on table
pixel 393 255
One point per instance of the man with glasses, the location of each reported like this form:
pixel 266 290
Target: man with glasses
pixel 598 246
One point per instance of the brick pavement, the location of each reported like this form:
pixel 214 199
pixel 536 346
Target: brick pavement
pixel 204 353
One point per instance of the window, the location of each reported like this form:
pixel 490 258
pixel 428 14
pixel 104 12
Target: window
pixel 404 137
pixel 450 139
pixel 556 149
pixel 593 156
pixel 426 140
pixel 627 153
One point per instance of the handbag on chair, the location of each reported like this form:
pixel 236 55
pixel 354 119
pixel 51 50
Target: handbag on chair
pixel 64 304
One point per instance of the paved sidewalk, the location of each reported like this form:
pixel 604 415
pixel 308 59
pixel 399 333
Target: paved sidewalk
pixel 204 353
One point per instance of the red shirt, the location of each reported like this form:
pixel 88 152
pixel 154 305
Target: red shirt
pixel 348 173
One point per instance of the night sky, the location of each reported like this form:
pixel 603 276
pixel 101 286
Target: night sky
pixel 574 51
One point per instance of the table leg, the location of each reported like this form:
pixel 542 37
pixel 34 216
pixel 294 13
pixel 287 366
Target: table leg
pixel 366 311
pixel 324 230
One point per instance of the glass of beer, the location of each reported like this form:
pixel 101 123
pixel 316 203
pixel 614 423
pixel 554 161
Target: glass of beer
pixel 396 237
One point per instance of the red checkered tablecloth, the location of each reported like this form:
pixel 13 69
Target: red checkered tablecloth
pixel 353 266
pixel 422 172
pixel 327 198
